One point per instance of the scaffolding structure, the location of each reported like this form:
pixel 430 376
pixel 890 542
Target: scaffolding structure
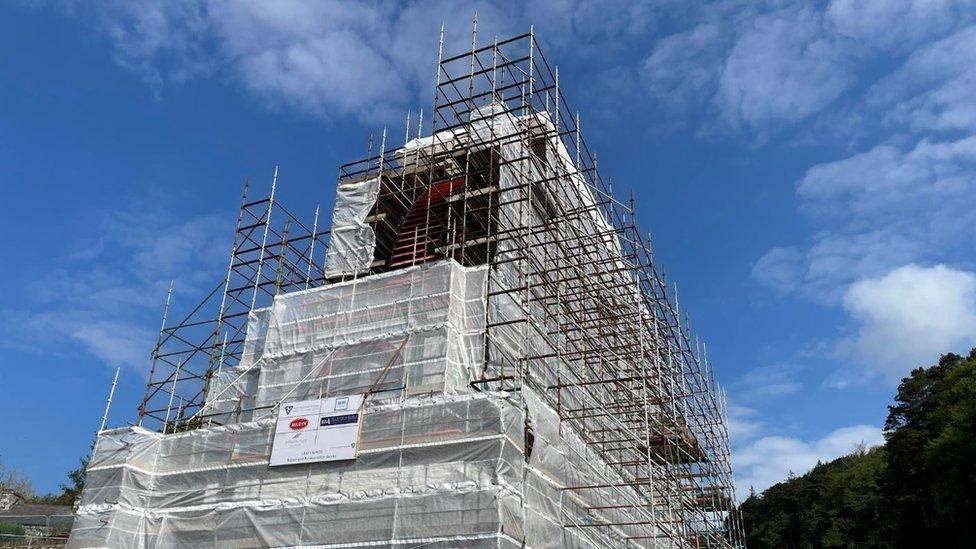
pixel 272 253
pixel 484 272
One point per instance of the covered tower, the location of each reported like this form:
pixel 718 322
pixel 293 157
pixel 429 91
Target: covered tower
pixel 479 352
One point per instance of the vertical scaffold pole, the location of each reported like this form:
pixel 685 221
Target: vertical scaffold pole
pixel 311 248
pixel 108 403
pixel 264 238
pixel 172 393
pixel 155 353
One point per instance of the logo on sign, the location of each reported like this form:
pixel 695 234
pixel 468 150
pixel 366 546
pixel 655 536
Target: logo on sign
pixel 298 424
pixel 338 420
pixel 288 409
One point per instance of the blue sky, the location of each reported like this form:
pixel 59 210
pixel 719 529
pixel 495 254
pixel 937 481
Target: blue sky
pixel 806 169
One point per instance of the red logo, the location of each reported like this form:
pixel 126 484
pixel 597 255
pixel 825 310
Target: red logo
pixel 298 424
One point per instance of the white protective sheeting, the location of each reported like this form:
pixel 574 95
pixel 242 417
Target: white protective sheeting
pixel 440 465
pixel 435 470
pixel 423 326
pixel 352 240
pixel 450 471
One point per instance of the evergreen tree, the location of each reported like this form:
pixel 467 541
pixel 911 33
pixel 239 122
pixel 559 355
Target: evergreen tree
pixel 950 457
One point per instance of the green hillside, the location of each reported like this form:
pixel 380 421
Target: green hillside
pixel 918 490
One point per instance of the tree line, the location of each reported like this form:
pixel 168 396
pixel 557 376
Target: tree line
pixel 917 490
pixel 68 492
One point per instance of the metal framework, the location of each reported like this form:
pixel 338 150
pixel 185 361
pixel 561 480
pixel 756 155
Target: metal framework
pixel 597 329
pixel 272 253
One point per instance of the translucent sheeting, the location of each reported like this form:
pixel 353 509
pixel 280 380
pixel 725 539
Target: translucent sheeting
pixel 431 470
pixel 442 470
pixel 352 240
pixel 419 330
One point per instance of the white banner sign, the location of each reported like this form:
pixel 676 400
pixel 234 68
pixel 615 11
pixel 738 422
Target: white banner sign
pixel 317 430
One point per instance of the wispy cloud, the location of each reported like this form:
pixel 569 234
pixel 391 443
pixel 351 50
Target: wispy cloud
pixel 337 58
pixel 935 89
pixel 780 268
pixel 782 68
pixel 755 67
pixel 762 68
pixel 767 382
pixel 106 297
pixel 897 25
pixel 744 424
pixel 878 210
pixel 699 52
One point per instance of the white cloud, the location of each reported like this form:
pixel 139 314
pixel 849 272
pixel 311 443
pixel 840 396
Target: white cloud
pixel 770 459
pixel 744 423
pixel 911 316
pixel 159 41
pixel 783 67
pixel 114 340
pixel 842 378
pixel 896 24
pixel 699 54
pixel 892 206
pixel 779 268
pixel 935 89
pixel 759 66
pixel 335 58
pixel 878 210
pixel 768 382
pixel 767 66
pixel 323 58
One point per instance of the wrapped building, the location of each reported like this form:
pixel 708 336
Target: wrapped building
pixel 520 375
